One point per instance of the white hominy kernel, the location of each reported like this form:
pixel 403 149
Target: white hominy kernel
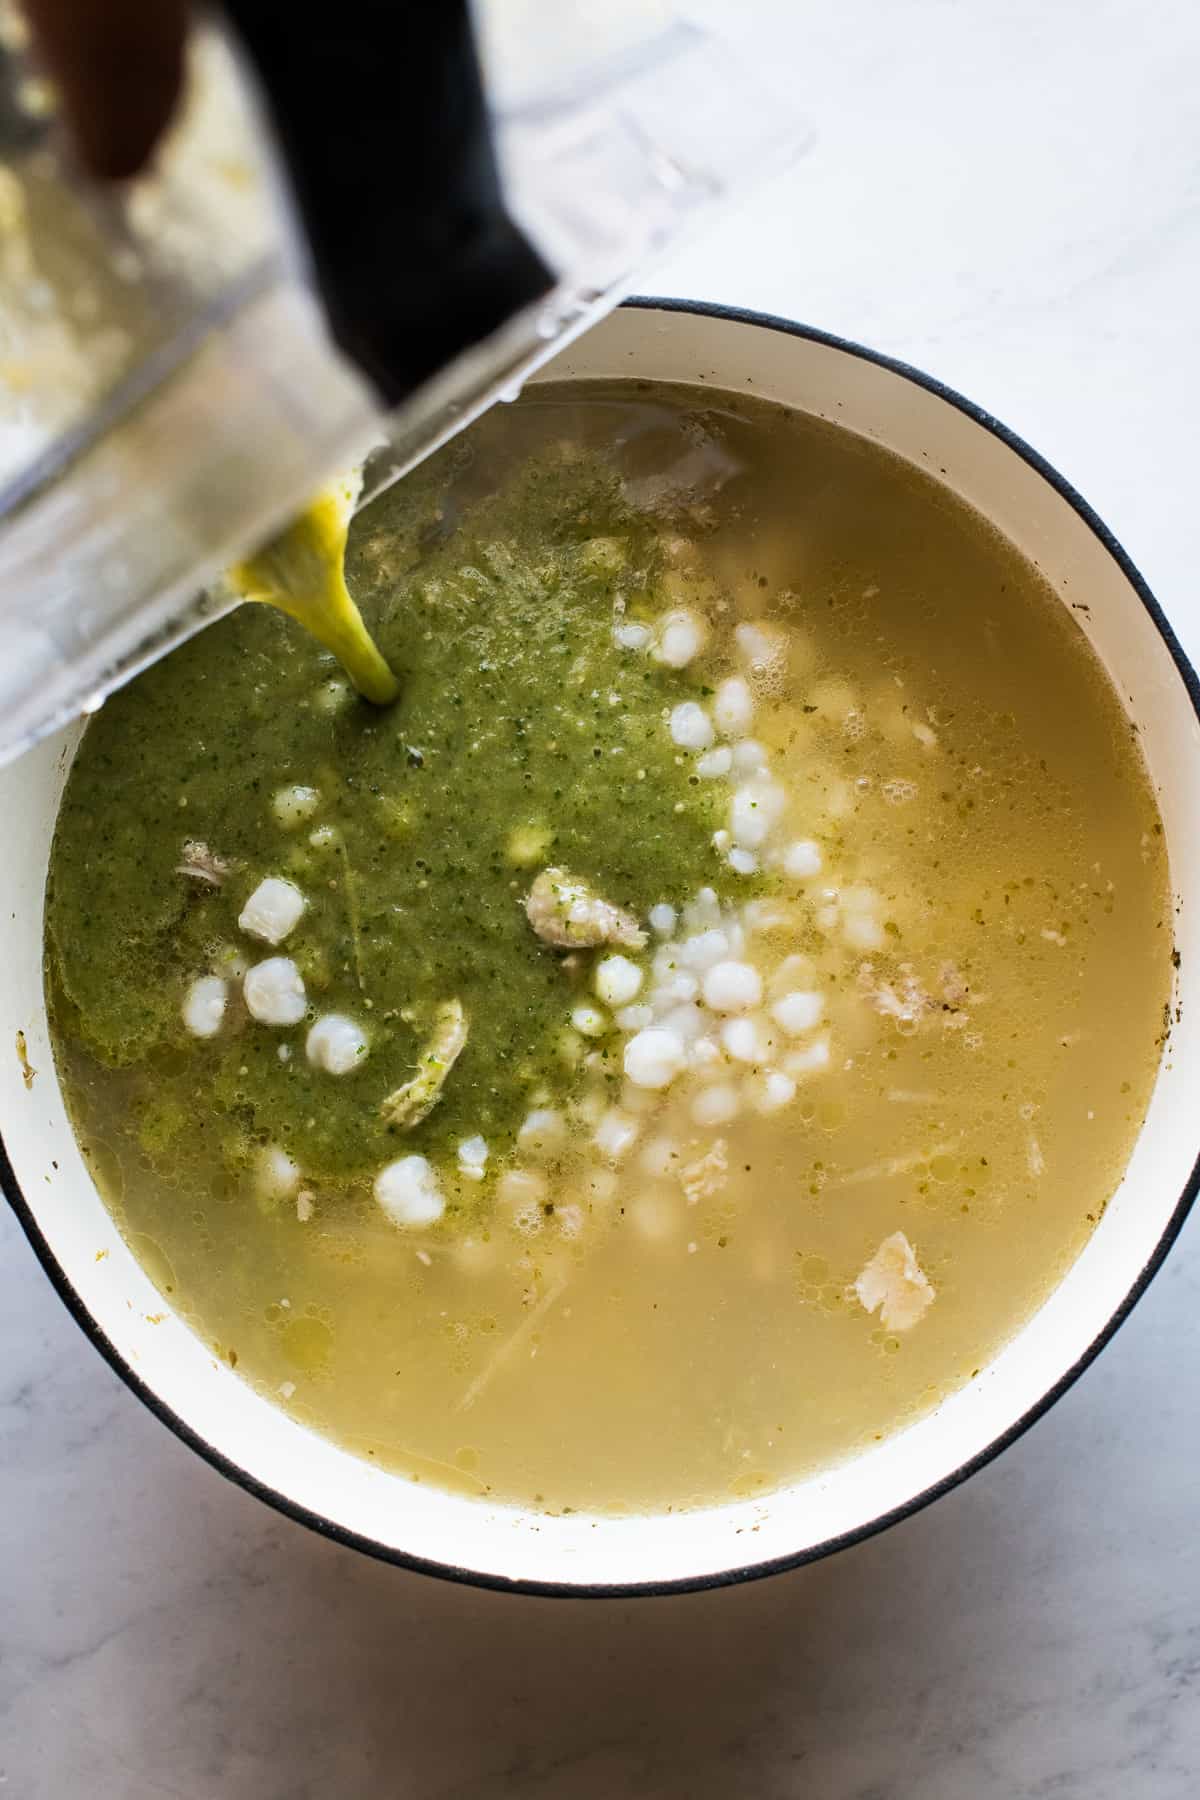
pixel 742 1040
pixel 686 1021
pixel 653 1058
pixel 706 1053
pixel 680 639
pixel 747 824
pixel 662 919
pixel 753 810
pixel 634 1018
pixel 756 643
pixel 690 726
pixel 292 805
pixel 660 1157
pixel 322 837
pixel 802 859
pixel 716 1105
pixel 703 950
pixel 665 962
pixel 589 1021
pixel 276 1176
pixel 272 911
pixel 742 862
pixel 809 1061
pixel 542 1131
pixel 631 636
pixel 616 1134
pixel 409 1193
pixel 336 1044
pixel 274 992
pixel 798 1012
pixel 284 1053
pixel 703 912
pixel 772 1091
pixel 863 932
pixel 204 1006
pixel 749 757
pixel 721 841
pixel 925 735
pixel 617 980
pixel 733 707
pixel 472 1157
pixel 731 987
pixel 674 990
pixel 860 897
pixel 715 762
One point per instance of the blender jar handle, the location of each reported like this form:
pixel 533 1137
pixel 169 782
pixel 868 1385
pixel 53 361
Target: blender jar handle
pixel 382 122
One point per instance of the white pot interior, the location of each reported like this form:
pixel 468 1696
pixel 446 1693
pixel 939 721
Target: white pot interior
pixel 399 1517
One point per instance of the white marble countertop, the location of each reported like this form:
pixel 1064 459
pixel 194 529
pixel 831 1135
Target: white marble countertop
pixel 1009 196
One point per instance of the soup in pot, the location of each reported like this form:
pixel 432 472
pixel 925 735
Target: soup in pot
pixel 682 1037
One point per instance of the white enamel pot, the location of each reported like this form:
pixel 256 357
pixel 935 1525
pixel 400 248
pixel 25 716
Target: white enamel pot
pixel 208 1406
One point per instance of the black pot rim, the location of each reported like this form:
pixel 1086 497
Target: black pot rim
pixel 339 1534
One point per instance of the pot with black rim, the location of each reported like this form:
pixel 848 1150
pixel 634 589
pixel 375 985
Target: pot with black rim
pixel 312 1479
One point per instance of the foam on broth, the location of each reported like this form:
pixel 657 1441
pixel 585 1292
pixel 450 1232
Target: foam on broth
pixel 651 1303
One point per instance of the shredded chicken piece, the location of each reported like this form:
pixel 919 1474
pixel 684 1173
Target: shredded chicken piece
pixel 954 986
pixel 705 1177
pixel 894 1282
pixel 416 1099
pixel 892 1166
pixel 903 999
pixel 200 863
pixel 513 1342
pixel 566 912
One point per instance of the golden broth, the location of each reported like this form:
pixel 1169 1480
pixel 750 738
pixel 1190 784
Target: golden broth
pixel 654 1299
